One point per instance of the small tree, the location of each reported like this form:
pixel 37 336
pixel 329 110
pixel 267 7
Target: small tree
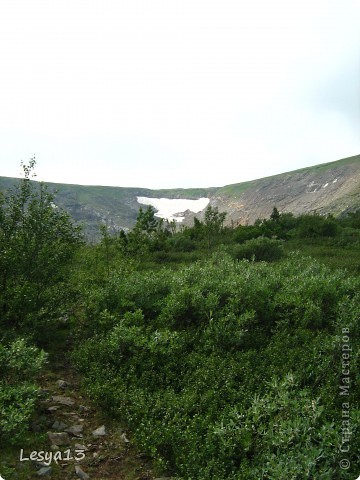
pixel 105 242
pixel 148 228
pixel 275 215
pixel 146 221
pixel 214 223
pixel 37 243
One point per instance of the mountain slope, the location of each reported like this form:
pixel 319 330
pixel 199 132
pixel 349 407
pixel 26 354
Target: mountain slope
pixel 326 188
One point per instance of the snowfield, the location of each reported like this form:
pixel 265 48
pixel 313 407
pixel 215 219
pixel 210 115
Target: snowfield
pixel 172 208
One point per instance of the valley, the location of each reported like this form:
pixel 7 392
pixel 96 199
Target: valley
pixel 332 188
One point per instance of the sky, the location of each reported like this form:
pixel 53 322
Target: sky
pixel 177 93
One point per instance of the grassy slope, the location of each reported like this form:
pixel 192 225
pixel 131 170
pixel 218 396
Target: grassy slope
pixel 238 188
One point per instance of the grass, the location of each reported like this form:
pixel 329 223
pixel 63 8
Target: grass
pixel 324 250
pixel 239 188
pixel 235 190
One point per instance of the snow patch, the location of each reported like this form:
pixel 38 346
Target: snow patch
pixel 173 208
pixel 312 187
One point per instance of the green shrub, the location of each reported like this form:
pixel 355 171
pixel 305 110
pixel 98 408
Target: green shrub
pixel 243 233
pixel 348 237
pixel 181 243
pixel 312 226
pixel 259 249
pixel 37 244
pixel 230 370
pixel 20 363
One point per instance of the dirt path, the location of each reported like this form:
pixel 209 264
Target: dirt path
pixel 81 443
pixel 70 438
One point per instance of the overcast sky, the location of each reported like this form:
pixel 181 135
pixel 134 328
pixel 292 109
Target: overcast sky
pixel 177 93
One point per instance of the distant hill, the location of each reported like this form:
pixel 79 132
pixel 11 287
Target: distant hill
pixel 326 188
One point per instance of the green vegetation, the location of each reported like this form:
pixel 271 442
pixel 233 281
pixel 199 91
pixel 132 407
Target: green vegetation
pixel 227 368
pixel 37 244
pixel 19 365
pixel 231 353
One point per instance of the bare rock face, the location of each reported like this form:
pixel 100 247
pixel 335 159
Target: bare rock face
pixel 53 408
pixel 58 425
pixel 62 384
pixel 124 438
pixel 44 471
pixel 61 438
pixel 63 400
pixel 99 432
pixel 80 473
pixel 75 430
pixel 79 446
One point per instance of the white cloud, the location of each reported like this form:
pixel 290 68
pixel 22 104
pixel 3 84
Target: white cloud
pixel 192 91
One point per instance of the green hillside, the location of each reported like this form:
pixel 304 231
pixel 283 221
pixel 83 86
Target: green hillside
pixel 117 207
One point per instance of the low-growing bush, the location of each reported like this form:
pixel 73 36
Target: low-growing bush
pixel 348 237
pixel 230 370
pixel 20 363
pixel 259 249
pixel 312 226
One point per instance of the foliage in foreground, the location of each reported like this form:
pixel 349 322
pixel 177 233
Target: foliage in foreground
pixel 231 370
pixel 37 244
pixel 20 363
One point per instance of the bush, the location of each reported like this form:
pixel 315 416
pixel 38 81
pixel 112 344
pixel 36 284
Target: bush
pixel 20 363
pixel 181 243
pixel 230 370
pixel 313 226
pixel 37 244
pixel 348 237
pixel 243 233
pixel 259 249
